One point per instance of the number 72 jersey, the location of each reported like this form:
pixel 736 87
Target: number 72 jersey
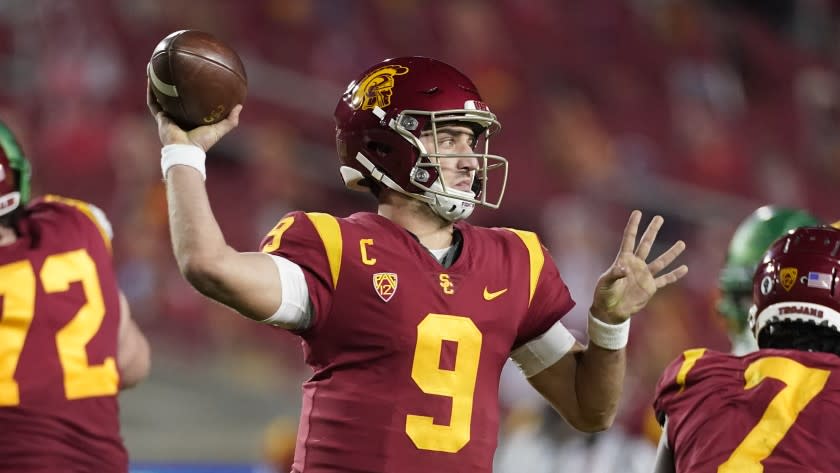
pixel 768 411
pixel 59 323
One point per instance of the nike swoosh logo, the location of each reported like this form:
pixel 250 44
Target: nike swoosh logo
pixel 489 296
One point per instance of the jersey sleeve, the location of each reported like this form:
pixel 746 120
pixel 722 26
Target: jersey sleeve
pixel 90 215
pixel 677 376
pixel 549 297
pixel 674 380
pixel 313 242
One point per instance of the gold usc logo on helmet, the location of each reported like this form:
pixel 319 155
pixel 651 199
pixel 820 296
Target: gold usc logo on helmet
pixel 374 90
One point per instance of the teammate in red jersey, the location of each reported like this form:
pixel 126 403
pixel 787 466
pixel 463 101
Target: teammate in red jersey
pixel 408 314
pixel 67 341
pixel 750 241
pixel 769 410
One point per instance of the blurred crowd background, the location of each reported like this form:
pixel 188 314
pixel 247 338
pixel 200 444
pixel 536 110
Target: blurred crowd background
pixel 696 110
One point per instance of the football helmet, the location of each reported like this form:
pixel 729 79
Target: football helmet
pixel 798 280
pixel 751 240
pixel 381 116
pixel 15 173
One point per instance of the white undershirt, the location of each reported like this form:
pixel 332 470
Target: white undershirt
pixel 441 253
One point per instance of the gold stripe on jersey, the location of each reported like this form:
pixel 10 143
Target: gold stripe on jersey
pixel 84 208
pixel 535 257
pixel 330 232
pixel 691 357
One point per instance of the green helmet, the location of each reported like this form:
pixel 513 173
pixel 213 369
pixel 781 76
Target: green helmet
pixel 749 243
pixel 15 172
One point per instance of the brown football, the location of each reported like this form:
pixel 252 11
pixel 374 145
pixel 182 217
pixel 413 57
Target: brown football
pixel 196 78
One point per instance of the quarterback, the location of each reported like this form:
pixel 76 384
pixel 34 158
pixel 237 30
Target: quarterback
pixel 407 315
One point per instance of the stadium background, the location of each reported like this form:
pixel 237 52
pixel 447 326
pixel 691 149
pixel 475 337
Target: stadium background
pixel 697 110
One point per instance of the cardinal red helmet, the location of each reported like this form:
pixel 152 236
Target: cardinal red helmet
pixel 379 120
pixel 797 280
pixel 14 173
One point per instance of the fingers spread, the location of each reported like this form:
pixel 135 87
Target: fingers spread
pixel 649 237
pixel 671 277
pixel 236 111
pixel 628 241
pixel 231 122
pixel 666 258
pixel 614 273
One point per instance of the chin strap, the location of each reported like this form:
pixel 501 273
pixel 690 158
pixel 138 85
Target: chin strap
pixel 449 208
pixel 446 206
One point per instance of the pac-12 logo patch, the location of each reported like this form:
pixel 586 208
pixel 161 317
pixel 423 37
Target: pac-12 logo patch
pixel 385 285
pixel 787 277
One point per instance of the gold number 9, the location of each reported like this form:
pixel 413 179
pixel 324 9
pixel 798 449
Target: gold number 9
pixel 458 383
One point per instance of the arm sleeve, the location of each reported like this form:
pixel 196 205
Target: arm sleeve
pixel 296 240
pixel 295 312
pixel 543 351
pixel 91 212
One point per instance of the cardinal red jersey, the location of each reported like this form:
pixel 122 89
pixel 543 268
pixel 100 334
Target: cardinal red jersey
pixel 771 409
pixel 59 319
pixel 406 353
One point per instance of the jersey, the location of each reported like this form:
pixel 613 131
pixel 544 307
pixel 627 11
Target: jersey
pixel 59 322
pixel 767 409
pixel 407 354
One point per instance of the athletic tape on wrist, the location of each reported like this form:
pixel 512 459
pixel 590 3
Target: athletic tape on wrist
pixel 609 336
pixel 184 155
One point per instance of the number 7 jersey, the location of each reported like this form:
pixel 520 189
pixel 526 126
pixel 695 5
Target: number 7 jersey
pixel 407 353
pixel 771 410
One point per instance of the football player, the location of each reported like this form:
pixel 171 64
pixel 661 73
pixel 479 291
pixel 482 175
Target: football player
pixel 408 314
pixel 749 242
pixel 67 341
pixel 769 410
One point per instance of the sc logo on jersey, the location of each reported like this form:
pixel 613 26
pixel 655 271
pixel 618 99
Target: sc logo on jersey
pixel 446 284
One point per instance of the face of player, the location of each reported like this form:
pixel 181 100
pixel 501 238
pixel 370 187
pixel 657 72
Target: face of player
pixel 459 171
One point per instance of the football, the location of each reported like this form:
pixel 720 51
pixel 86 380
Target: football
pixel 196 78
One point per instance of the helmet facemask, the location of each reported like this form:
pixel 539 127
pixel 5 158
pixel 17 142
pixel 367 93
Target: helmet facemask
pixel 427 176
pixel 15 173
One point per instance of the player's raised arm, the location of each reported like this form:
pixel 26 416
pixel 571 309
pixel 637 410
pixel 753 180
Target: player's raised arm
pixel 590 403
pixel 246 282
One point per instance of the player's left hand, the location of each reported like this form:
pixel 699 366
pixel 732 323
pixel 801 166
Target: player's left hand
pixel 629 283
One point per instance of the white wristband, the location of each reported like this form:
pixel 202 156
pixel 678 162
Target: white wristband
pixel 184 155
pixel 609 336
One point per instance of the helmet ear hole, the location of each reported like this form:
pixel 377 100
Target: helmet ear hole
pixel 381 150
